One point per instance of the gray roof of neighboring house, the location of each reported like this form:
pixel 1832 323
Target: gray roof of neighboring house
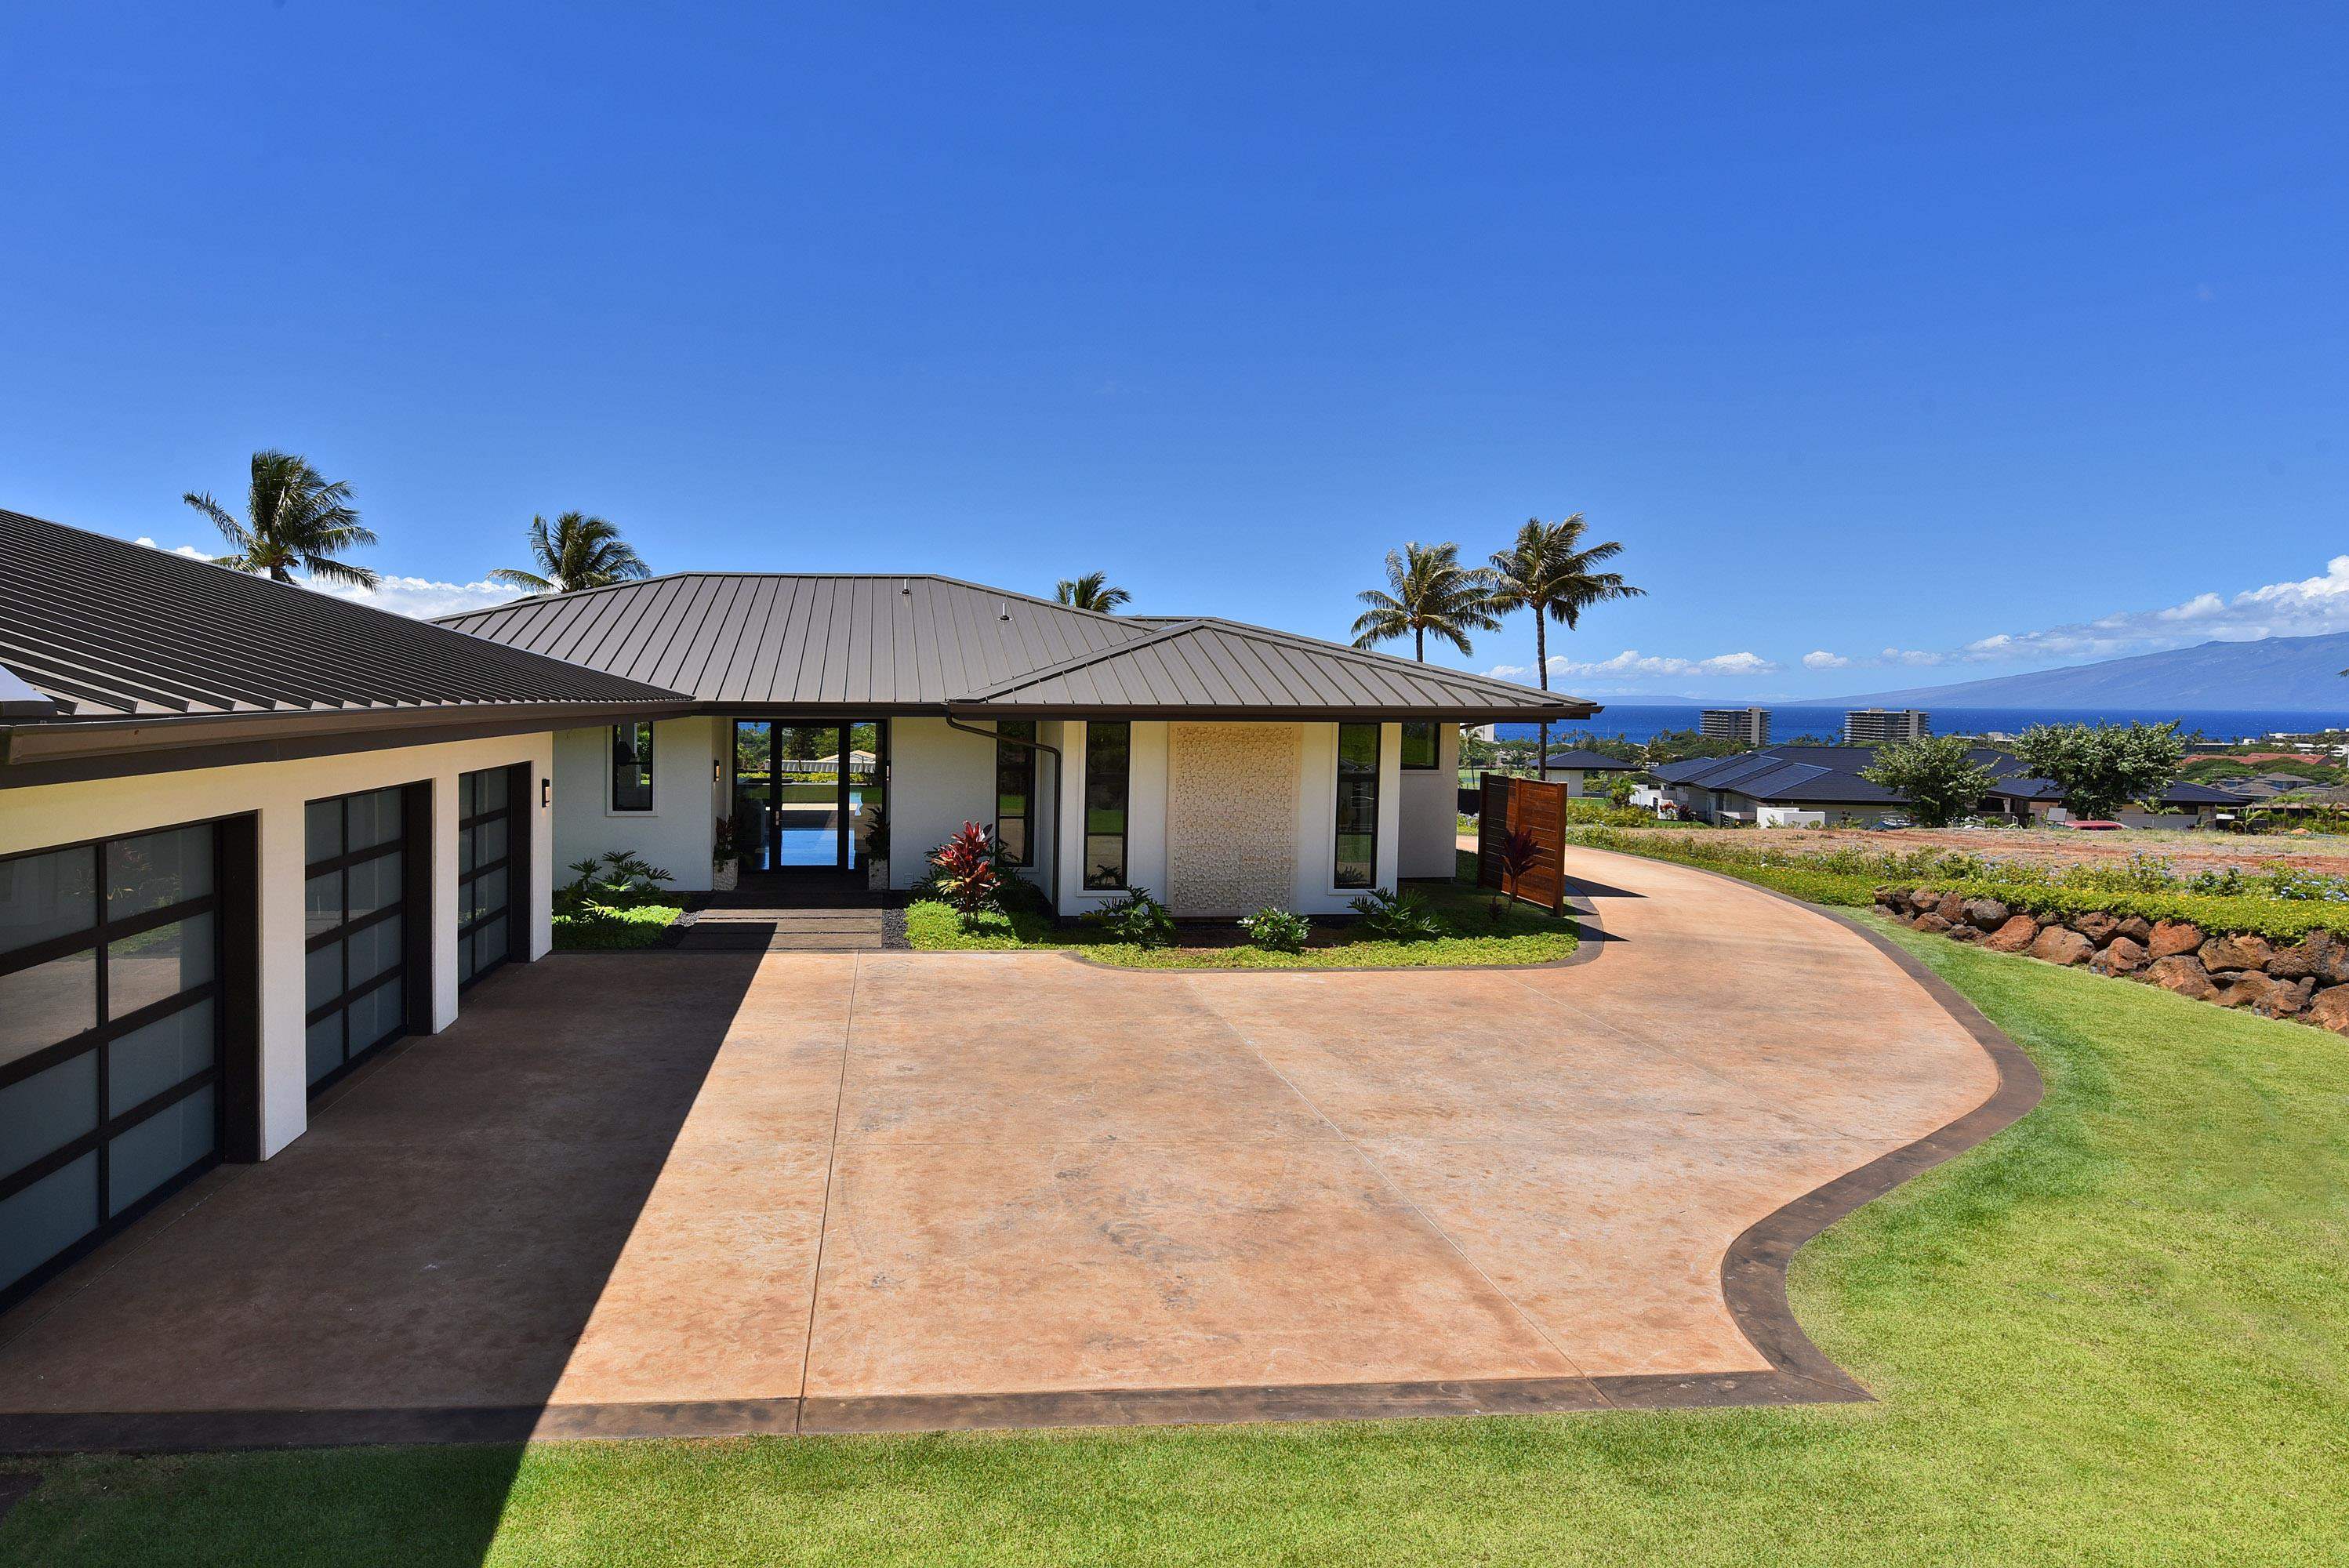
pixel 769 642
pixel 142 649
pixel 1590 761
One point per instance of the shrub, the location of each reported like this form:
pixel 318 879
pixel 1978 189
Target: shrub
pixel 1400 917
pixel 1277 930
pixel 963 871
pixel 617 878
pixel 1138 919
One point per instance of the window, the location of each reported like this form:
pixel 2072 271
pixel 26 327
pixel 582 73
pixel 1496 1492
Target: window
pixel 632 766
pixel 355 906
pixel 1420 747
pixel 110 1038
pixel 1015 791
pixel 1109 757
pixel 1358 806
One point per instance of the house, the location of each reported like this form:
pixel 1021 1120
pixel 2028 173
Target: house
pixel 1796 783
pixel 251 834
pixel 1589 774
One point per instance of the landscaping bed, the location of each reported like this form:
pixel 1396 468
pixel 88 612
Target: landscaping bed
pixel 1472 937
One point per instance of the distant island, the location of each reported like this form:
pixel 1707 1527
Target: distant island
pixel 2292 674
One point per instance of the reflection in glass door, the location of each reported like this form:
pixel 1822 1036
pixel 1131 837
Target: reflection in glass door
pixel 806 796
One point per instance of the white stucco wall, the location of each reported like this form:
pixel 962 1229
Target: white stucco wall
pixel 1316 808
pixel 1429 818
pixel 45 815
pixel 939 778
pixel 675 835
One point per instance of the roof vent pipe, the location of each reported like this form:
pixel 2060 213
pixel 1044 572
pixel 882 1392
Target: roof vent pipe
pixel 1003 609
pixel 905 588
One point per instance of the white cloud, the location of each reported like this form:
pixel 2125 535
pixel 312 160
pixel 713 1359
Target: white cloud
pixel 1820 659
pixel 1632 662
pixel 420 597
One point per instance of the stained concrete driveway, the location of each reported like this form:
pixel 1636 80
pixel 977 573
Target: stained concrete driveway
pixel 702 1193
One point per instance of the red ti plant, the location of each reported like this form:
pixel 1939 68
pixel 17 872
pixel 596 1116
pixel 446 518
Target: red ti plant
pixel 966 872
pixel 1519 854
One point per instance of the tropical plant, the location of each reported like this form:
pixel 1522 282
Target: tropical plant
pixel 722 847
pixel 962 872
pixel 1548 569
pixel 1404 917
pixel 1093 591
pixel 616 876
pixel 1138 919
pixel 2099 767
pixel 293 517
pixel 1428 590
pixel 1277 930
pixel 579 551
pixel 1936 774
pixel 1519 853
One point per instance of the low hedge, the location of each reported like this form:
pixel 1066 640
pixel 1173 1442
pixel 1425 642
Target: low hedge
pixel 2277 919
pixel 1798 876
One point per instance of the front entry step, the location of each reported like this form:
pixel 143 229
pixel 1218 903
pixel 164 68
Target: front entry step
pixel 784 931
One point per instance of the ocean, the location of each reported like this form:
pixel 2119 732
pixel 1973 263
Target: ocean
pixel 1635 722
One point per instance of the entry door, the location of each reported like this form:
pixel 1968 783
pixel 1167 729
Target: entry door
pixel 113 1024
pixel 806 796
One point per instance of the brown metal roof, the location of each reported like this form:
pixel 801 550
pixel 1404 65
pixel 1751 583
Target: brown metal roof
pixel 769 641
pixel 1210 668
pixel 113 631
pixel 759 642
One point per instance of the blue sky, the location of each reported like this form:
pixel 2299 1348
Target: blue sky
pixel 1876 333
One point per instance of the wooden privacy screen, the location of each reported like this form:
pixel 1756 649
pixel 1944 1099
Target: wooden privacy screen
pixel 1529 806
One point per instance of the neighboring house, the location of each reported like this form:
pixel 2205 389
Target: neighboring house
pixel 1589 774
pixel 251 834
pixel 1825 781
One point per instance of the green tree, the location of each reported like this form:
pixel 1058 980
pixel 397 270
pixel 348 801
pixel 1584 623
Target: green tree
pixel 293 517
pixel 1427 590
pixel 579 551
pixel 1936 774
pixel 2099 768
pixel 1092 591
pixel 1549 571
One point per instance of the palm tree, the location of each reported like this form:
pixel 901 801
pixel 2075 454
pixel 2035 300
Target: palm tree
pixel 1092 591
pixel 579 551
pixel 1427 590
pixel 293 517
pixel 1548 570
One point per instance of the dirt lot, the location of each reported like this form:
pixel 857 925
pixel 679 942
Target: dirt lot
pixel 2060 846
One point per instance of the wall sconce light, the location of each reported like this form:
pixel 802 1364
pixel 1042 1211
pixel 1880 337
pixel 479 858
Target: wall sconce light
pixel 546 792
pixel 717 770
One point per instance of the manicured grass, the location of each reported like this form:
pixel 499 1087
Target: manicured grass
pixel 1522 934
pixel 2113 1335
pixel 604 928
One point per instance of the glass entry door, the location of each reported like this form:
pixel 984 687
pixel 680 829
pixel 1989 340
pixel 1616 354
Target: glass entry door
pixel 807 796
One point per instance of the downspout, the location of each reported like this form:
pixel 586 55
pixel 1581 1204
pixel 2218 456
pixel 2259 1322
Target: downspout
pixel 1059 765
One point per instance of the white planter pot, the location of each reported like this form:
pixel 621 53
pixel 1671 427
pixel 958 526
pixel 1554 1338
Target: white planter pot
pixel 877 875
pixel 724 875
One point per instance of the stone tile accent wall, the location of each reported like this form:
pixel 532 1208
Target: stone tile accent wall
pixel 1231 816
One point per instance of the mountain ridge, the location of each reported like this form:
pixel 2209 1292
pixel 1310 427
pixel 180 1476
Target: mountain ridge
pixel 2287 674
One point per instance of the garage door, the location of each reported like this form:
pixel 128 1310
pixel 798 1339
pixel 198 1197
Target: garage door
pixel 487 868
pixel 356 904
pixel 111 1035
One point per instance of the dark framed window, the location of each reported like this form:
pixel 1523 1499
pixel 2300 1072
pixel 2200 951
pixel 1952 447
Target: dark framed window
pixel 632 766
pixel 1015 791
pixel 112 1033
pixel 486 868
pixel 355 905
pixel 1109 767
pixel 1358 806
pixel 1421 747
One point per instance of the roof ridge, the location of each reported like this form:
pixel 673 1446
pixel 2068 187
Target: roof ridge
pixel 1092 657
pixel 1368 656
pixel 538 599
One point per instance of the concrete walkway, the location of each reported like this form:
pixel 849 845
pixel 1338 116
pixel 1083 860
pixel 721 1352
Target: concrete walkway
pixel 699 1192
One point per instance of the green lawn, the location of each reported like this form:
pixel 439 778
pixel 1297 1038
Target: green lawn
pixel 606 927
pixel 1522 934
pixel 2114 1334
